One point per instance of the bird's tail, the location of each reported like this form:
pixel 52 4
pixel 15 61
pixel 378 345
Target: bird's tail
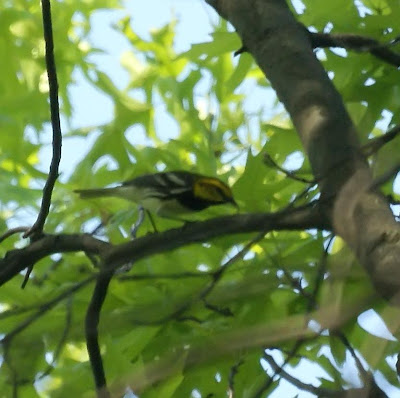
pixel 95 193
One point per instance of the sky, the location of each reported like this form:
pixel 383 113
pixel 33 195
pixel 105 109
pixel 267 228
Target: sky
pixel 92 108
pixel 195 19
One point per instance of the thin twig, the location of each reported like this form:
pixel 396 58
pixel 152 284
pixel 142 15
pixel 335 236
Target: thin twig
pixel 394 41
pixel 364 375
pixel 181 275
pixel 37 227
pixel 375 144
pixel 217 275
pixel 268 383
pixel 38 281
pixel 93 259
pixel 286 352
pixel 290 174
pixel 319 278
pixel 63 339
pixel 318 391
pixel 12 232
pixel 371 390
pixel 356 43
pixel 97 228
pixel 350 41
pixel 299 196
pixel 27 275
pixel 13 371
pixel 92 334
pixel 139 222
pixel 44 308
pixel 17 311
pixel 385 177
pixel 202 295
pixel 392 200
pixel 311 299
pixel 224 311
pixel 232 374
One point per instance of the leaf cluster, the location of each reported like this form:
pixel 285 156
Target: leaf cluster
pixel 190 323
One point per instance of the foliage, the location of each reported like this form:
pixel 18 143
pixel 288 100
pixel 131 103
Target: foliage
pixel 159 307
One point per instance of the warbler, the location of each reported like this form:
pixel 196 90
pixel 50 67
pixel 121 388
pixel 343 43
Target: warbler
pixel 169 194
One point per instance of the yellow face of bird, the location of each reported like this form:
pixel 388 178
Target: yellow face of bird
pixel 213 190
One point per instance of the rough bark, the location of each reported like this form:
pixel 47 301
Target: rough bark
pixel 358 212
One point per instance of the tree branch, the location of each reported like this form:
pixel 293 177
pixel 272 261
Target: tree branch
pixel 318 391
pixel 367 392
pixel 349 41
pixel 92 334
pixel 374 145
pixel 17 260
pixel 37 227
pixel 356 42
pixel 62 341
pixel 115 256
pixel 216 276
pixel 304 217
pixel 269 161
pixel 233 372
pixel 43 309
pixel 12 232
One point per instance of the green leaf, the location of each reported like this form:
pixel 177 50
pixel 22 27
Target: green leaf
pixel 223 42
pixel 338 350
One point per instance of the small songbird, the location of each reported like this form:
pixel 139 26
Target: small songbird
pixel 170 194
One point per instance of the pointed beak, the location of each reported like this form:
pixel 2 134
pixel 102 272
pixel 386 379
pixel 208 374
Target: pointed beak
pixel 232 201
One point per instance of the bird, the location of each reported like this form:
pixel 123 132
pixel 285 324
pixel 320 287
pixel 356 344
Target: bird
pixel 169 194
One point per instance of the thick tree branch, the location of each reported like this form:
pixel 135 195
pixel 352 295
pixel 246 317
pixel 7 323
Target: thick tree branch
pixel 305 217
pixel 359 214
pixel 17 260
pixel 37 227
